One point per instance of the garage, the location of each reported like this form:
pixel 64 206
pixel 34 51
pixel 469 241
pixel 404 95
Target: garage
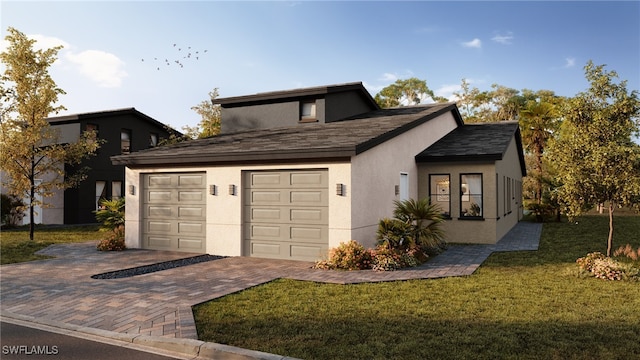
pixel 174 212
pixel 285 214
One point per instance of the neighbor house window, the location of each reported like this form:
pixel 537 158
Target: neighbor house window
pixel 101 192
pixel 153 140
pixel 116 190
pixel 125 141
pixel 471 196
pixel 308 111
pixel 94 129
pixel 440 191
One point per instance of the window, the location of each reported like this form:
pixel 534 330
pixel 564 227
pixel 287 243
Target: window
pixel 404 186
pixel 101 192
pixel 153 140
pixel 471 196
pixel 308 111
pixel 116 190
pixel 440 191
pixel 509 197
pixel 125 141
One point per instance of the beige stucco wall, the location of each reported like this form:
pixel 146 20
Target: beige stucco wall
pixel 459 229
pixel 224 211
pixel 376 172
pixel 509 166
pixel 496 221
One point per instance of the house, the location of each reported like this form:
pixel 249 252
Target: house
pixel 322 166
pixel 124 130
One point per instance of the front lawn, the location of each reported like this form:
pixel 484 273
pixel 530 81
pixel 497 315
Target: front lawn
pixel 521 305
pixel 15 245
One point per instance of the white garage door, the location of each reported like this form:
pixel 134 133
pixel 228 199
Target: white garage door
pixel 173 212
pixel 286 214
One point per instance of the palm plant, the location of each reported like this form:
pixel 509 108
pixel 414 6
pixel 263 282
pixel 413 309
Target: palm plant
pixel 424 220
pixel 111 213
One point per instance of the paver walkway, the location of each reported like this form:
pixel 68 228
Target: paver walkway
pixel 159 304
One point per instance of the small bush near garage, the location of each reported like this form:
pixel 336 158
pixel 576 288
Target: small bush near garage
pixel 114 242
pixel 347 256
pixel 111 213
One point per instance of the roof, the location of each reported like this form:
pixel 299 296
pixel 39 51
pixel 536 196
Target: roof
pixel 74 118
pixel 284 95
pixel 475 142
pixel 336 140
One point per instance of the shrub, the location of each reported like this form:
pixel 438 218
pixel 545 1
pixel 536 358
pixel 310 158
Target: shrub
pixel 598 265
pixel 424 220
pixel 115 241
pixel 394 234
pixel 10 213
pixel 347 256
pixel 628 251
pixel 111 213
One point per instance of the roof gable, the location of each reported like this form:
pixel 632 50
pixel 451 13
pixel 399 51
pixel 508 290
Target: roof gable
pixel 475 142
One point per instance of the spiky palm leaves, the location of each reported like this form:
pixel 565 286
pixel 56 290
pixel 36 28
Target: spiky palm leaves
pixel 416 222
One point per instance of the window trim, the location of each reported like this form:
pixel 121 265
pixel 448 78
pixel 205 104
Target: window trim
pixel 313 117
pixel 481 216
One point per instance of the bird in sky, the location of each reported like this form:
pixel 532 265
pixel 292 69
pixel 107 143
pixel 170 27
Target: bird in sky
pixel 180 61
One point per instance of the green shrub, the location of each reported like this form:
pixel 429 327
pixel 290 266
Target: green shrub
pixel 394 234
pixel 115 241
pixel 10 213
pixel 111 213
pixel 347 256
pixel 424 220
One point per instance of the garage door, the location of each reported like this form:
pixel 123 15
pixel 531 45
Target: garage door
pixel 286 214
pixel 173 212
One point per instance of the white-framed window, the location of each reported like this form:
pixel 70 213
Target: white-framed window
pixel 116 190
pixel 101 192
pixel 153 139
pixel 404 186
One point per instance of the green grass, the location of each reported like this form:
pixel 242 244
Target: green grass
pixel 521 305
pixel 16 247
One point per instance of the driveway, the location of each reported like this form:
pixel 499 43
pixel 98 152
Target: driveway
pixel 159 304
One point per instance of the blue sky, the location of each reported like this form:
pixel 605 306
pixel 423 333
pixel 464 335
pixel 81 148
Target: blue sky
pixel 265 46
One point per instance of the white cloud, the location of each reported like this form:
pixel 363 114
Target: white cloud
pixel 447 91
pixel 569 62
pixel 46 42
pixel 503 39
pixel 388 77
pixel 104 68
pixel 475 43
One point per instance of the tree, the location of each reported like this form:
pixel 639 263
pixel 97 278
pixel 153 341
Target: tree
pixel 412 91
pixel 539 120
pixel 209 125
pixel 30 147
pixel 596 159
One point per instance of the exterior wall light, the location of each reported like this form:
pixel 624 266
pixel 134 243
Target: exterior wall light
pixel 132 190
pixel 397 190
pixel 340 189
pixel 232 189
pixel 213 190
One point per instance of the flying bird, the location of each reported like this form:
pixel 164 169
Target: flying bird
pixel 180 60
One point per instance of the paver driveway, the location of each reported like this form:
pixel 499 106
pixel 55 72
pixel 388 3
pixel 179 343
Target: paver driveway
pixel 159 304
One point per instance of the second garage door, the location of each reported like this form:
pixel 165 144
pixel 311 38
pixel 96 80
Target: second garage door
pixel 286 214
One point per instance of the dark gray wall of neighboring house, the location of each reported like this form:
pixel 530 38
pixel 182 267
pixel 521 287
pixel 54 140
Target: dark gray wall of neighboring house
pixel 80 202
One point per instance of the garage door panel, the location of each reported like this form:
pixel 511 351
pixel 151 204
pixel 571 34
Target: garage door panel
pixel 313 234
pixel 262 249
pixel 308 179
pixel 174 211
pixel 307 252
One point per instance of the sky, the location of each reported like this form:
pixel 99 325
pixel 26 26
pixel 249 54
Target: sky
pixel 164 57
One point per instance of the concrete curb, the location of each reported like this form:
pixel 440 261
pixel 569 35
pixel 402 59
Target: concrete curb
pixel 195 349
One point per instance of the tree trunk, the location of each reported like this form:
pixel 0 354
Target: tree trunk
pixel 539 150
pixel 610 240
pixel 32 196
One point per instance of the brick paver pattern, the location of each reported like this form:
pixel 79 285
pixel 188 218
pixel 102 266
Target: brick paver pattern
pixel 159 304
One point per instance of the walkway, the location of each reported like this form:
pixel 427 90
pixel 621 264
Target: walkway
pixel 159 304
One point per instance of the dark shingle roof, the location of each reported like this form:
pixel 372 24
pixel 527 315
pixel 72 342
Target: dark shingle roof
pixel 341 139
pixel 475 142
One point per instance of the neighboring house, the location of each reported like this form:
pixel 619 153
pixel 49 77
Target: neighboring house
pixel 125 130
pixel 301 182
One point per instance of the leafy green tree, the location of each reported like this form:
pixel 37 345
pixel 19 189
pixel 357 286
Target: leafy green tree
pixel 30 147
pixel 412 91
pixel 539 121
pixel 596 159
pixel 210 123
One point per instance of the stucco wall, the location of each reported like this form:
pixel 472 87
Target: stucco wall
pixel 459 229
pixel 376 173
pixel 509 167
pixel 224 211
